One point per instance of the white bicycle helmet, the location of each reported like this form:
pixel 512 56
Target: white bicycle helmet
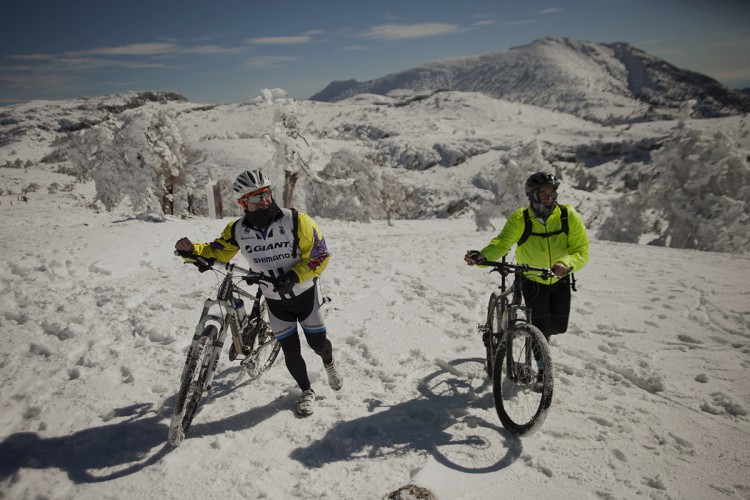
pixel 250 181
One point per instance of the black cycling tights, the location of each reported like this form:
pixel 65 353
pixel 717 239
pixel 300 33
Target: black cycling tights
pixel 295 363
pixel 550 305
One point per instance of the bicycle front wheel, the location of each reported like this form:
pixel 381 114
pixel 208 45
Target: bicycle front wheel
pixel 492 331
pixel 523 380
pixel 192 386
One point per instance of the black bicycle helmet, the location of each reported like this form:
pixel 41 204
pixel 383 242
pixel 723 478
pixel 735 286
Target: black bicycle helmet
pixel 540 179
pixel 250 181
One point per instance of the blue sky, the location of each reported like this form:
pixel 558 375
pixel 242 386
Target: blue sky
pixel 227 51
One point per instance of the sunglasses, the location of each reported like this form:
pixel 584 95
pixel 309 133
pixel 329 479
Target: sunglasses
pixel 547 196
pixel 257 197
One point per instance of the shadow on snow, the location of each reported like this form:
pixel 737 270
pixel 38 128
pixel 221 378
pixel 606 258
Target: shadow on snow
pixel 423 425
pixel 115 450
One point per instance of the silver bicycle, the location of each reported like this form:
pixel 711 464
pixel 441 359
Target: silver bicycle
pixel 252 343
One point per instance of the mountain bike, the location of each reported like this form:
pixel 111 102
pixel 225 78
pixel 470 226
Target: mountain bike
pixel 518 355
pixel 253 341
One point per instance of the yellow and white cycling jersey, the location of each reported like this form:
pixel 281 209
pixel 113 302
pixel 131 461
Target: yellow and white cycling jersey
pixel 292 241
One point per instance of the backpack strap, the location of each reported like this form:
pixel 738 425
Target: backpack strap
pixel 295 229
pixel 564 219
pixel 233 241
pixel 527 229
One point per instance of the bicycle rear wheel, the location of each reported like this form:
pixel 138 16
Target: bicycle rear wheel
pixel 192 386
pixel 261 344
pixel 523 394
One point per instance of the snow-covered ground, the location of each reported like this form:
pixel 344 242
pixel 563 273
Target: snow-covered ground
pixel 651 396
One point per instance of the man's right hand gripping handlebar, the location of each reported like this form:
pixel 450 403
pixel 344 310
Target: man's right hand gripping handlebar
pixel 473 257
pixel 184 248
pixel 184 245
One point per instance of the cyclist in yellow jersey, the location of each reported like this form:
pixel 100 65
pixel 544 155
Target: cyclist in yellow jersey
pixel 548 235
pixel 286 245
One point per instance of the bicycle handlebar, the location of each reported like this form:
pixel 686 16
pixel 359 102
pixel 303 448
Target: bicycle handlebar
pixel 205 263
pixel 505 268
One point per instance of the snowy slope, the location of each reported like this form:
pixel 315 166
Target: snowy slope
pixel 651 395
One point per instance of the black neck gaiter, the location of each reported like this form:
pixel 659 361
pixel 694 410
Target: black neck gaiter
pixel 262 218
pixel 541 211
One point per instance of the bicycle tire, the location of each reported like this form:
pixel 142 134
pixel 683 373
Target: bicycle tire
pixel 263 349
pixel 523 403
pixel 493 331
pixel 192 386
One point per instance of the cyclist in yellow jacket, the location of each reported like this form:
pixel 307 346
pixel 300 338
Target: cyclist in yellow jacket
pixel 547 235
pixel 286 245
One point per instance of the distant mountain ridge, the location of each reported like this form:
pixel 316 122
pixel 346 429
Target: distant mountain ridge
pixel 566 75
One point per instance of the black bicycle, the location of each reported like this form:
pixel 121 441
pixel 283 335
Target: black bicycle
pixel 253 341
pixel 518 355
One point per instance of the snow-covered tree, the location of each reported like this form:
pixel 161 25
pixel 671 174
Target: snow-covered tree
pixel 372 192
pixel 506 183
pixel 293 152
pixel 140 160
pixel 85 149
pixel 700 190
pixel 703 193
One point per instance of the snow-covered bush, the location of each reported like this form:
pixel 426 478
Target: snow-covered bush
pixel 412 156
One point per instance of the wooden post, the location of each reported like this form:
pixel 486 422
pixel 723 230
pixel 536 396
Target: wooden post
pixel 215 209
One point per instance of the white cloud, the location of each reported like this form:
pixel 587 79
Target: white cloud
pixel 653 41
pixel 79 64
pixel 739 42
pixel 279 40
pixel 555 10
pixel 404 31
pixel 33 57
pixel 520 22
pixel 134 49
pixel 735 77
pixel 307 37
pixel 214 50
pixel 269 61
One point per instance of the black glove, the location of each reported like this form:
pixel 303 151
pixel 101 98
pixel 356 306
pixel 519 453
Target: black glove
pixel 203 265
pixel 476 256
pixel 286 282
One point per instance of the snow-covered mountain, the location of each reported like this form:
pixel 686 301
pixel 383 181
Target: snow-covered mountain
pixel 566 75
pixel 681 182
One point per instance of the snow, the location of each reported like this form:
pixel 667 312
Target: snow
pixel 651 392
pixel 651 395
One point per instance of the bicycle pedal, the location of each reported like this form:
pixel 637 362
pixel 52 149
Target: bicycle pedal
pixel 251 368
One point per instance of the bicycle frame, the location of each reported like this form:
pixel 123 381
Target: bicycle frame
pixel 227 293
